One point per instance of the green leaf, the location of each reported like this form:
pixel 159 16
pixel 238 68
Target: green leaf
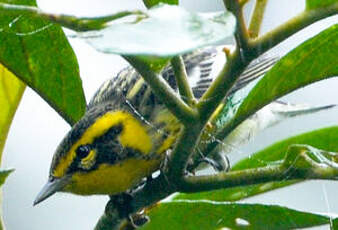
pixel 11 90
pixel 312 61
pixel 334 224
pixel 313 4
pixel 325 139
pixel 150 3
pixel 38 53
pixel 4 174
pixel 206 215
pixel 167 30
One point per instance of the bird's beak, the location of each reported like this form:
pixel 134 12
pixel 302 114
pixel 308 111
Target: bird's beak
pixel 53 185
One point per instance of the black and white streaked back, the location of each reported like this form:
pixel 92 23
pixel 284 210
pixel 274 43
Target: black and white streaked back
pixel 202 66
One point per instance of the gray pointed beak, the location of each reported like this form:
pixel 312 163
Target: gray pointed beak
pixel 53 185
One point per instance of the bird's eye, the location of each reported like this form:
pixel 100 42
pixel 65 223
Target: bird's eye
pixel 83 151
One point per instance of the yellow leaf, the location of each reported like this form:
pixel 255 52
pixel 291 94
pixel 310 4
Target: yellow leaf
pixel 11 90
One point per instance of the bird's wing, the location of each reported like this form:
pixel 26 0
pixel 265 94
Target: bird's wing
pixel 202 66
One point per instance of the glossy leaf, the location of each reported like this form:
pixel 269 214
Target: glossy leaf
pixel 325 139
pixel 310 62
pixel 313 4
pixel 151 3
pixel 11 90
pixel 38 53
pixel 208 216
pixel 166 31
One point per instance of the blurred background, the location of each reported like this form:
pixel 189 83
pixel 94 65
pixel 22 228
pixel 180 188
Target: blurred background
pixel 37 129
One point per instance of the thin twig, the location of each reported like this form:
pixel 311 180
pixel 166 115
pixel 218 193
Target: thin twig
pixel 257 18
pixel 236 63
pixel 284 31
pixel 263 44
pixel 177 162
pixel 241 35
pixel 182 79
pixel 163 91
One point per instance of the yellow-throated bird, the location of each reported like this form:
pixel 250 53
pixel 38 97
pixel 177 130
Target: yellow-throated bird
pixel 126 129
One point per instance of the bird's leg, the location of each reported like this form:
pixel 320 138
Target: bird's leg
pixel 121 202
pixel 219 161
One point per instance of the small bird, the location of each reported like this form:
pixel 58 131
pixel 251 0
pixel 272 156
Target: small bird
pixel 126 130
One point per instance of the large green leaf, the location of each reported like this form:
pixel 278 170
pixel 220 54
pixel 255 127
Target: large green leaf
pixel 39 54
pixel 312 61
pixel 11 90
pixel 207 216
pixel 313 4
pixel 150 3
pixel 325 139
pixel 167 30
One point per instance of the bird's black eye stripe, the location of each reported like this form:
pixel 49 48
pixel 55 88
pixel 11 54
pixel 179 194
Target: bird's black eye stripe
pixel 109 135
pixel 82 151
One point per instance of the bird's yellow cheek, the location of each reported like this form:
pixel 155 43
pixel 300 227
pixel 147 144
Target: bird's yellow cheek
pixel 112 179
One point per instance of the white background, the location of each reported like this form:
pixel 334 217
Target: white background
pixel 37 129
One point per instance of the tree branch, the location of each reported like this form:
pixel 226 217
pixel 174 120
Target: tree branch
pixel 182 79
pixel 300 162
pixel 162 90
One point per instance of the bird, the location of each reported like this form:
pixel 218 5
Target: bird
pixel 126 131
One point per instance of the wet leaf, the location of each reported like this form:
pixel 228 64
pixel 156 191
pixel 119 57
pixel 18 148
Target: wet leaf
pixel 207 216
pixel 166 31
pixel 325 139
pixel 150 3
pixel 310 62
pixel 38 53
pixel 313 4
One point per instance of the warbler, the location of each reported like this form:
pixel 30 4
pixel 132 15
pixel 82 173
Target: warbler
pixel 126 130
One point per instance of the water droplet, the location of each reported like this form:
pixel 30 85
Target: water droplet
pixel 242 222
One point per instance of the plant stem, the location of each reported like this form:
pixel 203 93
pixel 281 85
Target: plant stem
pixel 182 79
pixel 232 179
pixel 264 43
pixel 162 90
pixel 300 162
pixel 184 148
pixel 71 22
pixel 221 85
pixel 284 31
pixel 241 35
pixel 236 63
pixel 257 18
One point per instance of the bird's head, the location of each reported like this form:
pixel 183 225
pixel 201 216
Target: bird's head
pixel 106 152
